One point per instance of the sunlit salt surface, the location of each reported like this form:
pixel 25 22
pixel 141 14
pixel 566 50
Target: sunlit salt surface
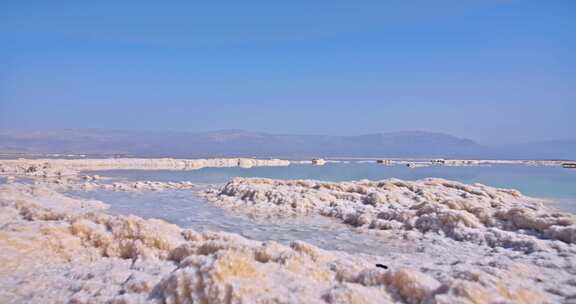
pixel 189 211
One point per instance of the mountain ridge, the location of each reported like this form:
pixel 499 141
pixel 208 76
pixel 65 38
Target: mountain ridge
pixel 237 142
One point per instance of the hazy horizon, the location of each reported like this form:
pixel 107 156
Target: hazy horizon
pixel 234 143
pixel 152 131
pixel 493 71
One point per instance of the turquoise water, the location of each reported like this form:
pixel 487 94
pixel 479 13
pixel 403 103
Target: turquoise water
pixel 538 181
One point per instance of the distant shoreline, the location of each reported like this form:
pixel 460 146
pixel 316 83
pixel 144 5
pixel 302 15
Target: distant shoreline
pixel 34 156
pixel 61 167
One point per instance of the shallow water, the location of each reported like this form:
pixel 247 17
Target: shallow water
pixel 186 209
pixel 189 211
pixel 539 181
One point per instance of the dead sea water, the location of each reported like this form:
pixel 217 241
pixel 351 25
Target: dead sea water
pixel 551 182
pixel 190 211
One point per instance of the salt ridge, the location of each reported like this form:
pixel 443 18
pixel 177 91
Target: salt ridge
pixel 61 249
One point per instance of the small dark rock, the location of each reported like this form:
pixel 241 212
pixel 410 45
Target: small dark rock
pixel 382 266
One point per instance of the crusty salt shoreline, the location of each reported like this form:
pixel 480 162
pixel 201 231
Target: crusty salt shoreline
pixel 450 220
pixel 475 213
pixel 54 168
pixel 70 167
pixel 76 184
pixel 59 249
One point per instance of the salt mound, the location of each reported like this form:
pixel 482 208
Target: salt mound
pixel 473 213
pixel 128 186
pixel 84 255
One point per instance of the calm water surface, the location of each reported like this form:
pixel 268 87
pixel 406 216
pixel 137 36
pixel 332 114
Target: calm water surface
pixel 539 181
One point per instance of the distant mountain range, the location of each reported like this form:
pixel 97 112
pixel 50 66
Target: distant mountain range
pixel 255 144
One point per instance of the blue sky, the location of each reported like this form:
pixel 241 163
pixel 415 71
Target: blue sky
pixel 494 71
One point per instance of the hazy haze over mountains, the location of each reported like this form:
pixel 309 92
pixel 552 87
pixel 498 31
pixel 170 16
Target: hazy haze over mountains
pixel 245 143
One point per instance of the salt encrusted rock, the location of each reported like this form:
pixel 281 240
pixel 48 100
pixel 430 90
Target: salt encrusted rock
pixel 375 198
pixel 474 213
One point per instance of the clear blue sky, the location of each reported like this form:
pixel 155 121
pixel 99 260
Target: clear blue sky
pixel 494 71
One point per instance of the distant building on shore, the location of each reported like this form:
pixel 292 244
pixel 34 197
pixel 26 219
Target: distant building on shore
pixel 438 161
pixel 384 161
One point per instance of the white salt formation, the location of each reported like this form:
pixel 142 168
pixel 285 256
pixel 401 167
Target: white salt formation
pixel 95 183
pixel 475 162
pixel 134 186
pixel 473 213
pixel 483 233
pixel 67 167
pixel 118 185
pixel 55 249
